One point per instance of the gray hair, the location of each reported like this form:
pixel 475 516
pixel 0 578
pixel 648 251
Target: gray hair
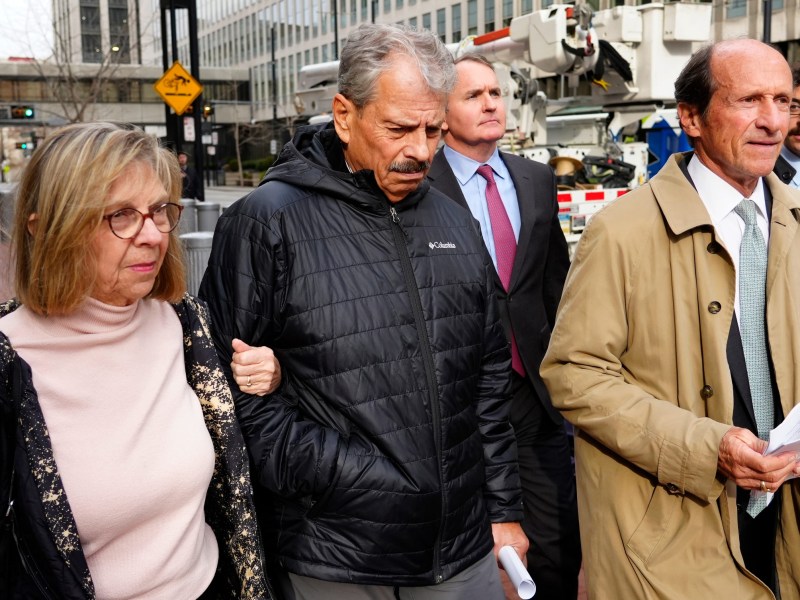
pixel 369 52
pixel 475 58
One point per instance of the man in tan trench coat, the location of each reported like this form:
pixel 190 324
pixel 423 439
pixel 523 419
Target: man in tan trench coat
pixel 646 358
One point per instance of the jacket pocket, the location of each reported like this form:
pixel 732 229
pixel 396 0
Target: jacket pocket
pixel 324 499
pixel 648 536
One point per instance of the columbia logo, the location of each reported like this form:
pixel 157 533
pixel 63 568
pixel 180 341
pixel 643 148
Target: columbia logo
pixel 437 245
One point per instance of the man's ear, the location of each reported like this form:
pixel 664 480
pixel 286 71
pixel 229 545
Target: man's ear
pixel 690 119
pixel 33 221
pixel 343 114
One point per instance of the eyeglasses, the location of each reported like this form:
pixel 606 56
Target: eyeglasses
pixel 128 222
pixel 794 109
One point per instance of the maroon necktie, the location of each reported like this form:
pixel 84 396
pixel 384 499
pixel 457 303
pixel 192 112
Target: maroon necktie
pixel 505 246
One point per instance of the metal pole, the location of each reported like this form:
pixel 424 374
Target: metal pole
pixel 173 27
pixel 138 33
pixel 197 113
pixel 767 21
pixel 274 81
pixel 335 15
pixel 172 132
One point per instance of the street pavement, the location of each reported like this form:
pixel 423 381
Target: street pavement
pixel 225 195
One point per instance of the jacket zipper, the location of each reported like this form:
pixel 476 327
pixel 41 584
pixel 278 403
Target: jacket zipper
pixel 427 359
pixel 29 567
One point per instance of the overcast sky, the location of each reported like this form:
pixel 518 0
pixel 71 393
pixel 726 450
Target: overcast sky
pixel 25 28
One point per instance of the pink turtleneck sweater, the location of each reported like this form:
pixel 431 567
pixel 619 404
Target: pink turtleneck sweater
pixel 130 443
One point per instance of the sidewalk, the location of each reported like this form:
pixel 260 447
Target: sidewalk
pixel 225 195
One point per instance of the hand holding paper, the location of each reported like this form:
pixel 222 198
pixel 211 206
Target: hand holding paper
pixel 784 438
pixel 517 572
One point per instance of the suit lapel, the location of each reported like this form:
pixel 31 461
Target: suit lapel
pixel 741 383
pixel 445 179
pixel 527 212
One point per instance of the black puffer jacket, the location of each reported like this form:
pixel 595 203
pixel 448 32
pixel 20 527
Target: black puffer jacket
pixel 386 452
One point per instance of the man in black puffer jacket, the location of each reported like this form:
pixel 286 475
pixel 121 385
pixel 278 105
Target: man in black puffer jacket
pixel 385 459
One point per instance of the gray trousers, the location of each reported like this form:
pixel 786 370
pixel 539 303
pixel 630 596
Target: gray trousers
pixel 481 581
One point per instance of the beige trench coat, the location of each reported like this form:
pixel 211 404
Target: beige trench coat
pixel 637 362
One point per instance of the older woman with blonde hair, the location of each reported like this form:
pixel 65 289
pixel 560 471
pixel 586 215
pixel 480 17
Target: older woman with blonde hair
pixel 123 467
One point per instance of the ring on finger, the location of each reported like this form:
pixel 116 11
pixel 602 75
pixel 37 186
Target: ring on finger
pixel 764 487
pixel 249 383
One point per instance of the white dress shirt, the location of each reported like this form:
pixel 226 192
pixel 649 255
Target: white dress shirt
pixel 720 198
pixel 473 186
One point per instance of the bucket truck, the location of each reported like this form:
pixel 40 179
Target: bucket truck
pixel 577 84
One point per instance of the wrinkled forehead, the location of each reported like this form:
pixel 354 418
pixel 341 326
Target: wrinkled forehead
pixel 752 64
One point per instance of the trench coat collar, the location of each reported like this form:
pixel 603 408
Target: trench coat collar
pixel 683 209
pixel 783 225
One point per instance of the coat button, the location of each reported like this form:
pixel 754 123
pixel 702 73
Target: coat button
pixel 706 392
pixel 713 248
pixel 714 307
pixel 673 489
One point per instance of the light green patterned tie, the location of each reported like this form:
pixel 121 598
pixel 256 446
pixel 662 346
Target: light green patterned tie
pixel 752 326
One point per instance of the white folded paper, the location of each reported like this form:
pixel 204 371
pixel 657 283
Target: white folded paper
pixel 517 573
pixel 784 438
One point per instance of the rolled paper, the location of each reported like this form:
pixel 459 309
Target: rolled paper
pixel 517 573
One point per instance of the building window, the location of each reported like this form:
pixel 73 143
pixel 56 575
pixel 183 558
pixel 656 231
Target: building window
pixel 508 12
pixel 398 4
pixel 387 6
pixel 527 6
pixel 472 17
pixel 426 21
pixel 441 24
pixel 736 8
pixel 412 22
pixel 455 17
pixel 90 19
pixel 777 5
pixel 488 16
pixel 90 48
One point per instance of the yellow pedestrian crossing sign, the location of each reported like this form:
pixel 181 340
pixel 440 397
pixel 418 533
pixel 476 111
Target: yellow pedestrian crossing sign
pixel 178 88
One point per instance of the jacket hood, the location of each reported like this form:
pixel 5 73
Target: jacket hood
pixel 314 159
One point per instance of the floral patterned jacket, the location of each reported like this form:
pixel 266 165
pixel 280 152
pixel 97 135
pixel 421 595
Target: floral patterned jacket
pixel 47 541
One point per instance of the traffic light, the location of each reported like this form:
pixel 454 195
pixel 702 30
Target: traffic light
pixel 22 112
pixel 208 110
pixel 22 145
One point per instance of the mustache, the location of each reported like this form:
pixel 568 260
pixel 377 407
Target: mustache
pixel 410 166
